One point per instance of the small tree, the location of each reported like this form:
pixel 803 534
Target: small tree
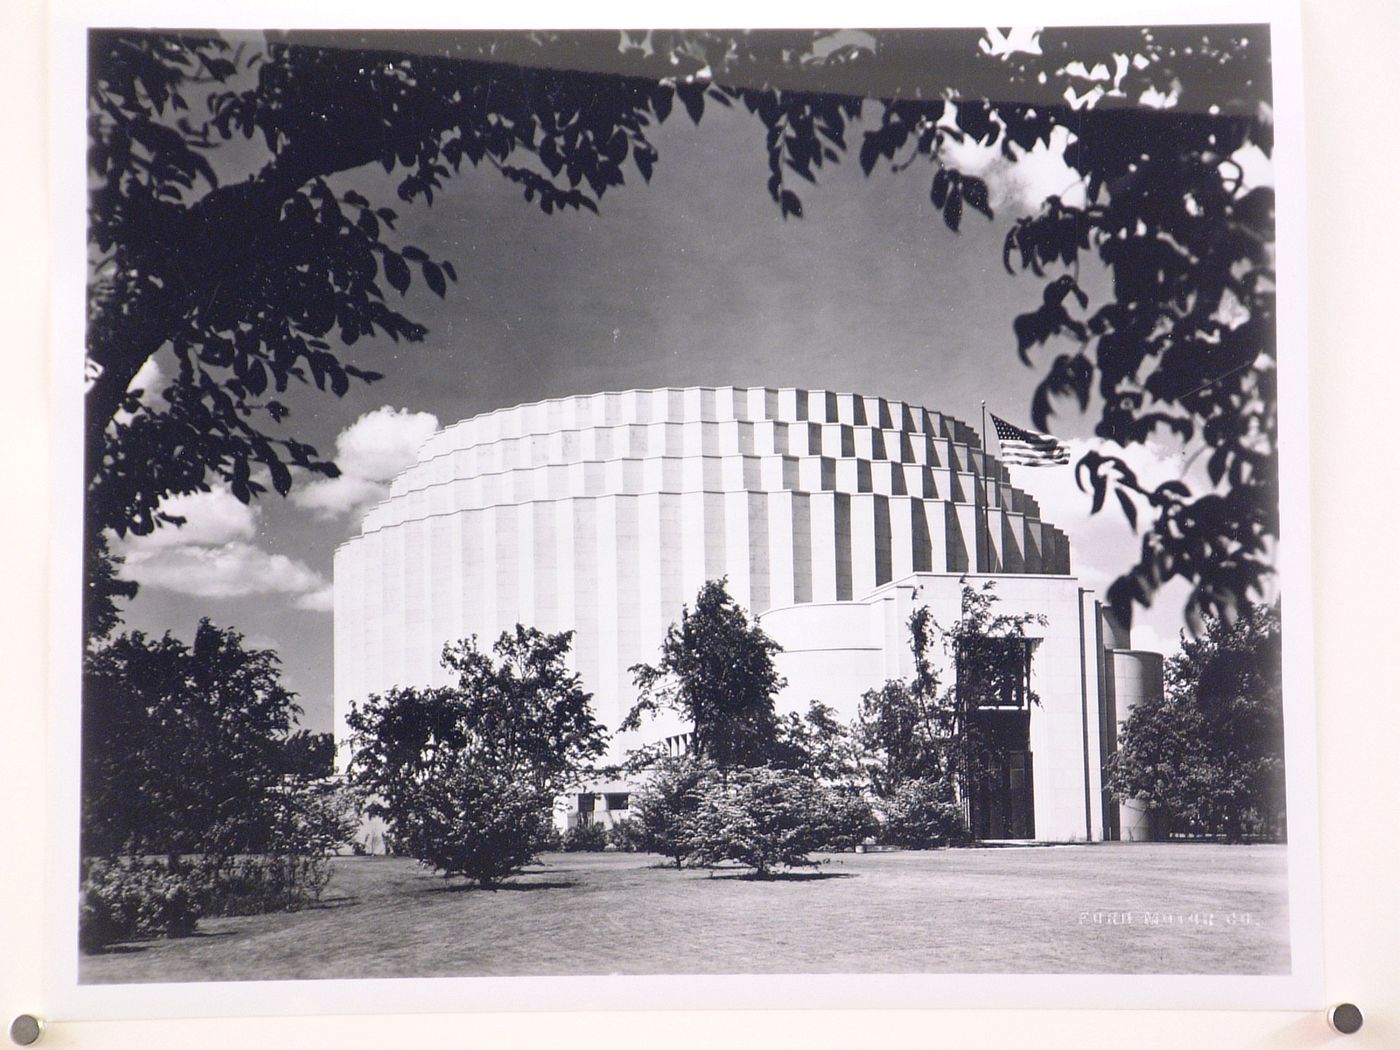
pixel 665 804
pixel 470 819
pixel 819 745
pixel 716 669
pixel 759 816
pixel 466 775
pixel 308 755
pixel 900 733
pixel 184 747
pixel 847 819
pixel 1209 753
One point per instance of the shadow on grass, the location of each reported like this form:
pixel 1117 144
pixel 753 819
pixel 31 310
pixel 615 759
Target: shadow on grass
pixel 783 876
pixel 137 947
pixel 471 887
pixel 330 903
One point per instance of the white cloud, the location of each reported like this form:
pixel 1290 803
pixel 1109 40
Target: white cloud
pixel 322 600
pixel 369 452
pixel 230 570
pixel 331 497
pixel 211 518
pixel 1020 186
pixel 211 555
pixel 149 380
pixel 1256 169
pixel 1016 39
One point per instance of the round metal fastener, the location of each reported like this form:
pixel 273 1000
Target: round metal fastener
pixel 1345 1018
pixel 26 1029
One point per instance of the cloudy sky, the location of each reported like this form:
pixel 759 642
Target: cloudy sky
pixel 693 279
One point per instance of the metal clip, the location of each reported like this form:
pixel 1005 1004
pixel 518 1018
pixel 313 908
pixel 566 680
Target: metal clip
pixel 1345 1018
pixel 26 1029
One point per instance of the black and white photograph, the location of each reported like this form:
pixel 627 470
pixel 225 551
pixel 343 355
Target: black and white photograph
pixel 672 503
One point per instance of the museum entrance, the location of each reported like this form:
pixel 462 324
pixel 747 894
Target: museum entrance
pixel 994 689
pixel 1003 802
pixel 1002 805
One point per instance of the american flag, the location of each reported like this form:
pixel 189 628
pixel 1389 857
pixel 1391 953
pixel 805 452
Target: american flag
pixel 1026 448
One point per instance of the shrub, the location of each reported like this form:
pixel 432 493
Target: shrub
pixel 125 900
pixel 922 814
pixel 846 820
pixel 311 818
pixel 587 836
pixel 472 821
pixel 253 885
pixel 665 804
pixel 466 776
pixel 550 839
pixel 761 817
pixel 626 836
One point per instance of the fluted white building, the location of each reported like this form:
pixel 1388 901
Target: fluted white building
pixel 832 516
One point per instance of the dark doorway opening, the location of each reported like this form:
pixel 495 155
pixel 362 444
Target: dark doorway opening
pixel 1003 803
pixel 1003 790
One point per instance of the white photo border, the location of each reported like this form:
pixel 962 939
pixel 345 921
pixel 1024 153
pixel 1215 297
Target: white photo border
pixel 67 999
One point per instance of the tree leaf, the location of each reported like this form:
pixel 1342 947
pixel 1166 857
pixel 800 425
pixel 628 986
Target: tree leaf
pixel 432 273
pixel 975 193
pixel 396 272
pixel 692 96
pixel 938 192
pixel 952 211
pixel 1129 508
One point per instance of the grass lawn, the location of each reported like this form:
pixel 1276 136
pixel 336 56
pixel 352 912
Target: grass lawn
pixel 1066 909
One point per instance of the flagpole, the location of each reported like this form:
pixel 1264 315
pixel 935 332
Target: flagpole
pixel 986 495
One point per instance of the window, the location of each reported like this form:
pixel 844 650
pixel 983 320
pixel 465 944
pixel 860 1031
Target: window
pixel 995 673
pixel 585 802
pixel 615 801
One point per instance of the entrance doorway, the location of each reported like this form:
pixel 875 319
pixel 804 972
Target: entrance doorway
pixel 1003 801
pixel 1003 797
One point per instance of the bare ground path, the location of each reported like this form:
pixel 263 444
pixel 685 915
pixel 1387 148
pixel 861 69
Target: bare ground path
pixel 1169 908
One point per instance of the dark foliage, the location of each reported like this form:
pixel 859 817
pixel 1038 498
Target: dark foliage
pixel 1185 343
pixel 1209 755
pixel 716 670
pixel 921 814
pixel 466 775
pixel 184 747
pixel 766 818
pixel 900 735
pixel 757 816
pixel 102 587
pixel 819 745
pixel 666 803
pixel 587 836
pixel 257 885
pixel 846 818
pixel 258 279
pixel 134 899
pixel 626 836
pixel 308 755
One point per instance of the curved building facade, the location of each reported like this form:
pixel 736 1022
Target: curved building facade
pixel 604 514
